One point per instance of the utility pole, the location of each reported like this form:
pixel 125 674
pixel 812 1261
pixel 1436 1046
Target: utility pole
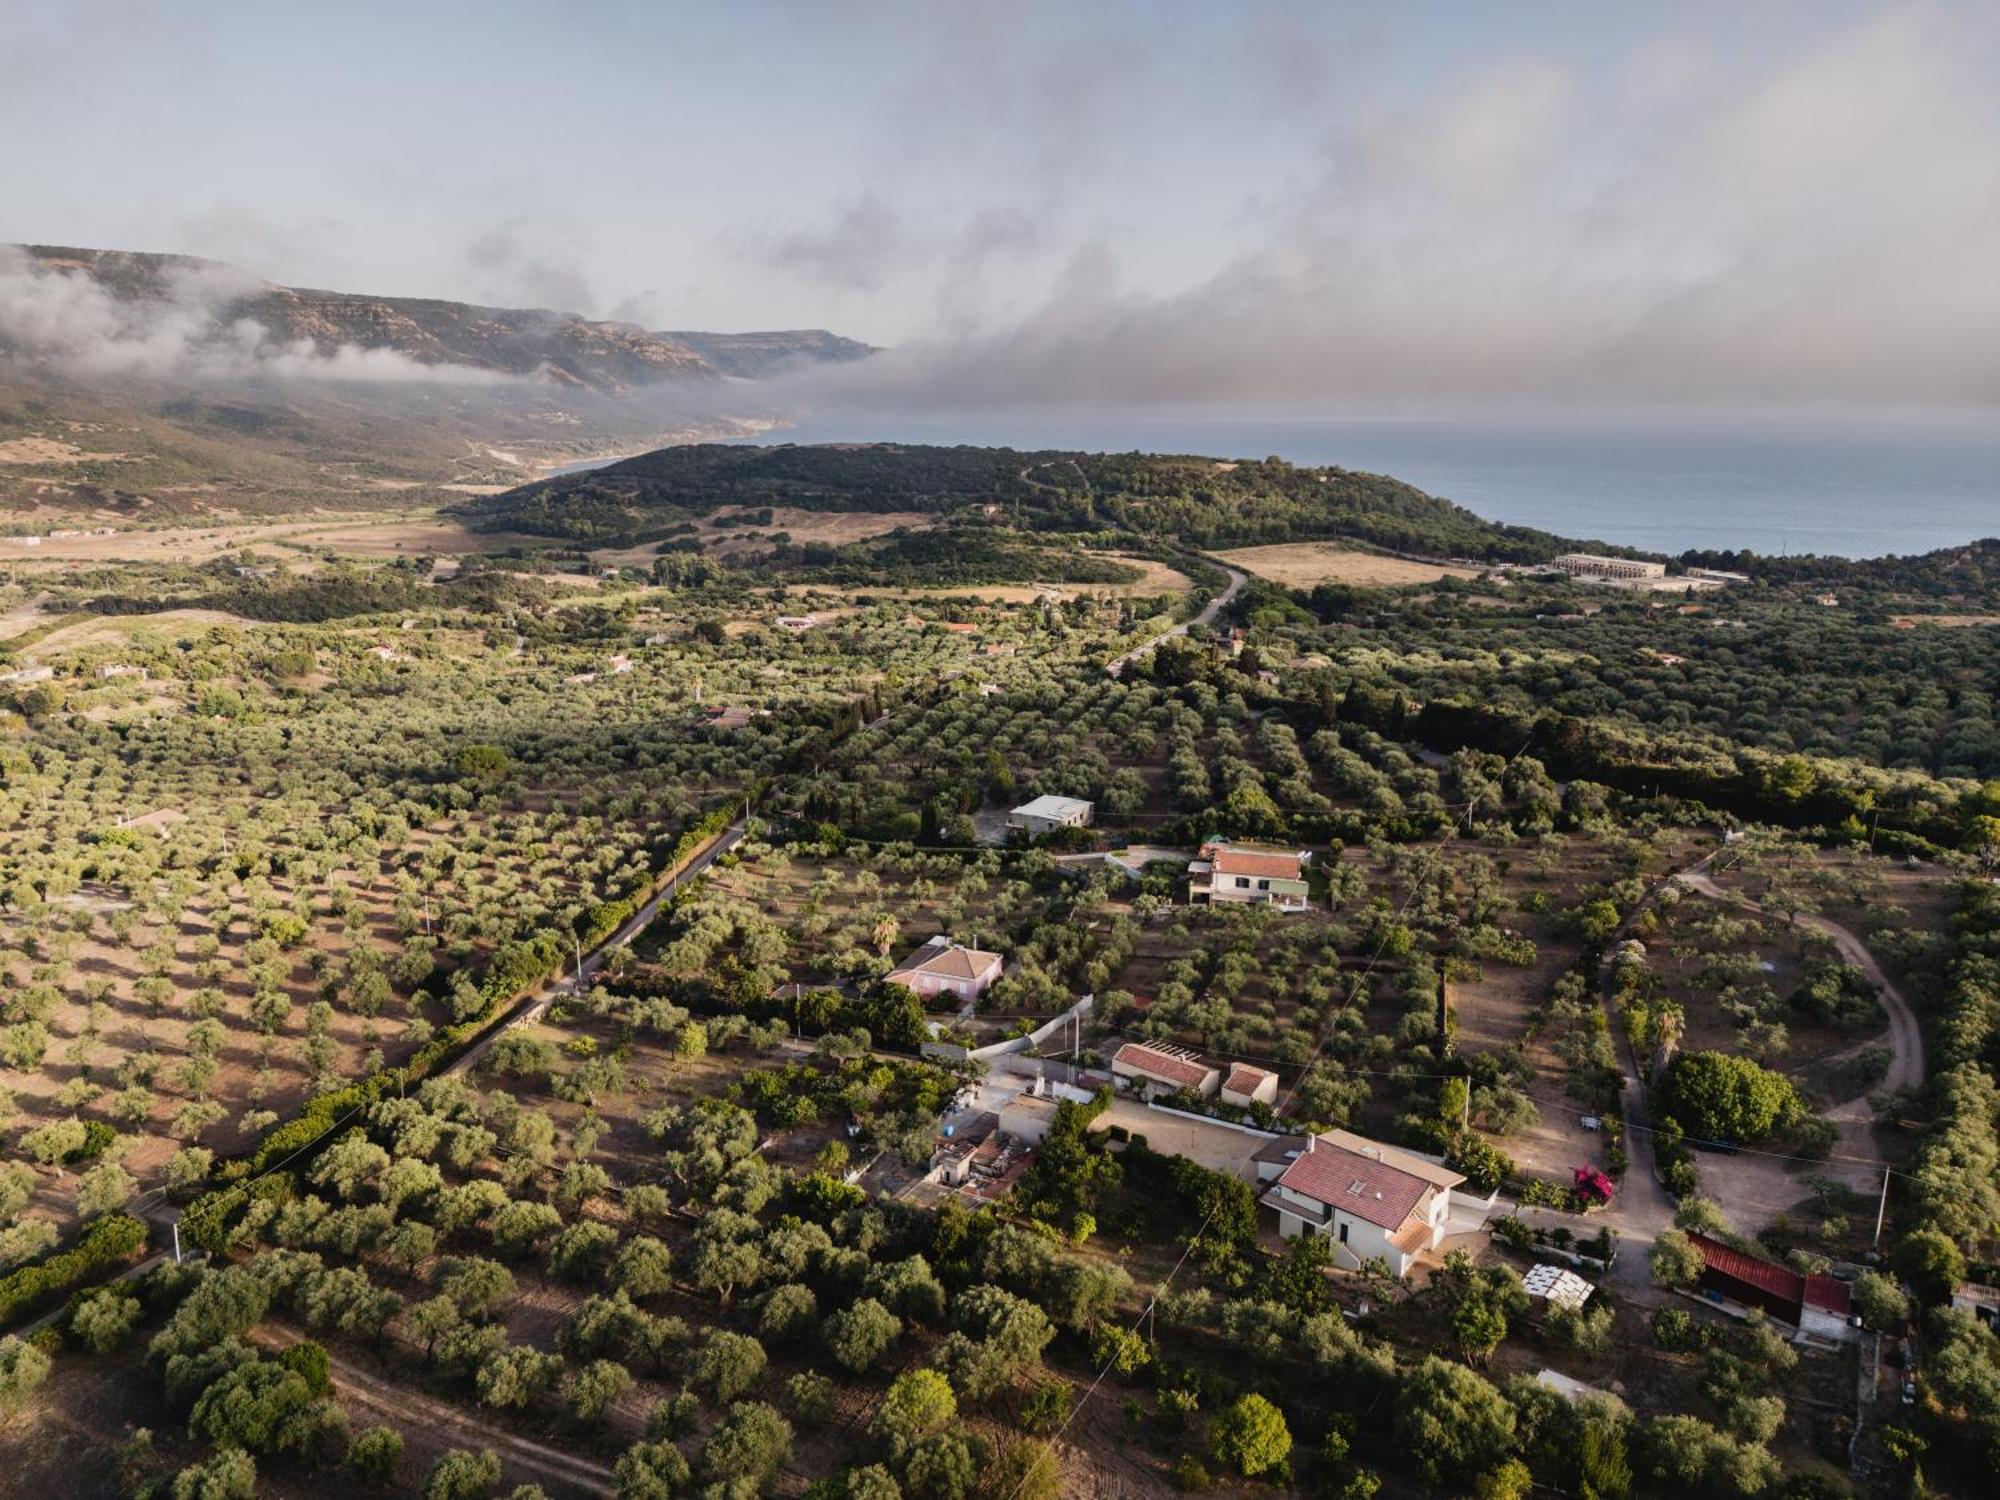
pixel 1881 1209
pixel 177 1242
pixel 578 942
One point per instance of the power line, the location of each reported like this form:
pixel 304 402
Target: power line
pixel 1381 941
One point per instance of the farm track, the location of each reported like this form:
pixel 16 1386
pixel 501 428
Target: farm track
pixel 406 1406
pixel 1758 1187
pixel 1906 1037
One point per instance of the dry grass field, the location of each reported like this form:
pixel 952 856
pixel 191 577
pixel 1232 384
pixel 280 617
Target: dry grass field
pixel 1302 565
pixel 1946 622
pixel 166 627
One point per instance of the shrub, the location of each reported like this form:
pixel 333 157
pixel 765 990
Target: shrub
pixel 104 1243
pixel 1251 1436
pixel 23 1368
pixel 372 1456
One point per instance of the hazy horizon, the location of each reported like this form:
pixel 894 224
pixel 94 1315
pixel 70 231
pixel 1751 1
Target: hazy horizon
pixel 1141 206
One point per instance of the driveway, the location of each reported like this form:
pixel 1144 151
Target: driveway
pixel 1216 1147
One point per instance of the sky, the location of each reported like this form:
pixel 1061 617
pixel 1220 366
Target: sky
pixel 1255 205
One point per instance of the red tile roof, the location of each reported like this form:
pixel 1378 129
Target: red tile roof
pixel 1355 1184
pixel 953 962
pixel 1180 1071
pixel 1774 1280
pixel 1267 864
pixel 1244 1079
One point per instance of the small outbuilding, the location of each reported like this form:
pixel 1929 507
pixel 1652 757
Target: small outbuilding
pixel 1027 1117
pixel 1245 1086
pixel 1046 814
pixel 1816 1305
pixel 1159 1068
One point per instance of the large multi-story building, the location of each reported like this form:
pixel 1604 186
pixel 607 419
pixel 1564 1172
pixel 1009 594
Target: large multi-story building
pixel 1590 565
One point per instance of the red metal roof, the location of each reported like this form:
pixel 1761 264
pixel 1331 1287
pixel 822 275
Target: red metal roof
pixel 1355 1184
pixel 1824 1292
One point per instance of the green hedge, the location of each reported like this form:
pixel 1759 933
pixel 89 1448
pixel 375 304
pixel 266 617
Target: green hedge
pixel 104 1243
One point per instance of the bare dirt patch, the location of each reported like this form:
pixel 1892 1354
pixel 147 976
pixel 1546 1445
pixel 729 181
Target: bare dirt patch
pixel 1157 579
pixel 408 534
pixel 35 450
pixel 1301 565
pixel 1945 622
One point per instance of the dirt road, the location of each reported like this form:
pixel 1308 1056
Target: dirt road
pixel 431 1422
pixel 1753 1189
pixel 532 1007
pixel 1905 1036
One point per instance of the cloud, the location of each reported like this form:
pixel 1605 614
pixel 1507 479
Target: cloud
pixel 518 264
pixel 1817 221
pixel 858 246
pixel 184 323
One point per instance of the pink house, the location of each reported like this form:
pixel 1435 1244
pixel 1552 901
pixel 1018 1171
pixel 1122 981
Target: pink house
pixel 943 967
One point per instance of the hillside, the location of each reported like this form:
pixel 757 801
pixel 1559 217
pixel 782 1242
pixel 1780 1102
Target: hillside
pixel 136 386
pixel 758 356
pixel 568 349
pixel 1202 501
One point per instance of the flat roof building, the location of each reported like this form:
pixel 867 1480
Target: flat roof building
pixel 1591 565
pixel 1047 813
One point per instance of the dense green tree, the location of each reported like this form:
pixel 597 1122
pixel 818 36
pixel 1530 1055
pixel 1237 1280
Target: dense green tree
pixel 1452 1421
pixel 373 1455
pixel 1251 1436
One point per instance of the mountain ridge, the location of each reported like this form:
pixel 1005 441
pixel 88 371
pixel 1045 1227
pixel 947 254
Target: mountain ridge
pixel 442 333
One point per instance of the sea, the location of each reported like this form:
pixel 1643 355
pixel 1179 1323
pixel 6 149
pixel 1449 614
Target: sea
pixel 1850 486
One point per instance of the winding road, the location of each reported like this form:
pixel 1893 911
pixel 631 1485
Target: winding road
pixel 1754 1188
pixel 1906 1037
pixel 1207 616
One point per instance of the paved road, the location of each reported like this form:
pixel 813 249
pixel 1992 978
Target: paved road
pixel 1207 616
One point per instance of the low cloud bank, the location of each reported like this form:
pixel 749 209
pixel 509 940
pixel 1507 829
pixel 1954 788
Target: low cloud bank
pixel 183 327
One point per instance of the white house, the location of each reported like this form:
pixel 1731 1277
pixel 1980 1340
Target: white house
pixel 1045 814
pixel 1159 1068
pixel 1370 1199
pixel 1246 873
pixel 1245 1086
pixel 943 967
